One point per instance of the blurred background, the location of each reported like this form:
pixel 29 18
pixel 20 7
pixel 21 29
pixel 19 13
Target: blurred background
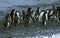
pixel 11 3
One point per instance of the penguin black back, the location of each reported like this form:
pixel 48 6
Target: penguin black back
pixel 12 13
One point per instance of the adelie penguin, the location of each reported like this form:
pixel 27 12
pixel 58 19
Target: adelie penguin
pixel 58 13
pixel 12 15
pixel 30 12
pixel 42 17
pixel 37 13
pixel 32 17
pixel 23 15
pixel 48 14
pixel 7 21
pixel 17 17
pixel 53 14
pixel 28 15
pixel 58 9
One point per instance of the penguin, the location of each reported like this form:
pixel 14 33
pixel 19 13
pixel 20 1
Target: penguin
pixel 58 13
pixel 17 17
pixel 23 15
pixel 30 12
pixel 48 14
pixel 32 17
pixel 12 14
pixel 42 17
pixel 53 13
pixel 37 13
pixel 28 15
pixel 7 21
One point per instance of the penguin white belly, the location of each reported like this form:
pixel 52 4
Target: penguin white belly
pixel 51 12
pixel 46 16
pixel 18 15
pixel 8 24
pixel 40 17
pixel 57 17
pixel 9 21
pixel 30 20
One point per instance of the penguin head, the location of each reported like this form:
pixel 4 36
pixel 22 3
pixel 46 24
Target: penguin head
pixel 13 9
pixel 29 9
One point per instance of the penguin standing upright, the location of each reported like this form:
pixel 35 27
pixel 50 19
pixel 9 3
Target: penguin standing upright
pixel 15 19
pixel 12 15
pixel 7 21
pixel 37 13
pixel 48 14
pixel 23 14
pixel 58 13
pixel 42 17
pixel 44 20
pixel 28 15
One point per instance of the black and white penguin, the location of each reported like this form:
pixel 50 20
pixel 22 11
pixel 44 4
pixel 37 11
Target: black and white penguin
pixel 48 14
pixel 7 21
pixel 33 16
pixel 42 17
pixel 17 17
pixel 53 13
pixel 58 13
pixel 12 15
pixel 37 13
pixel 23 15
pixel 58 9
pixel 31 19
pixel 28 15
